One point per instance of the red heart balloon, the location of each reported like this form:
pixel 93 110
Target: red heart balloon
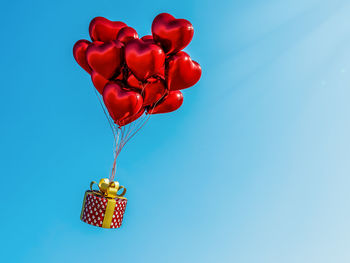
pixel 102 29
pixel 121 103
pixel 152 92
pixel 144 59
pixel 98 81
pixel 105 58
pixel 126 34
pixel 182 71
pixel 79 53
pixel 132 118
pixel 173 34
pixel 171 102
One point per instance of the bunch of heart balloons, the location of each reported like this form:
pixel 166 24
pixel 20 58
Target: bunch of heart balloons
pixel 138 75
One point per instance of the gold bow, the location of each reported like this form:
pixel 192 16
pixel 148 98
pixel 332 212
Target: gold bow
pixel 108 189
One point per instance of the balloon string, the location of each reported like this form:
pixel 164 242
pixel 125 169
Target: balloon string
pixel 111 177
pixel 110 122
pixel 123 134
pixel 140 124
pixel 116 136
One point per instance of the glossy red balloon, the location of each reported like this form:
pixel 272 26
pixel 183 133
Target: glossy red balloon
pixel 120 103
pixel 152 92
pixel 132 118
pixel 171 102
pixel 182 71
pixel 148 39
pixel 126 34
pixel 105 58
pixel 98 81
pixel 79 53
pixel 172 34
pixel 102 29
pixel 144 59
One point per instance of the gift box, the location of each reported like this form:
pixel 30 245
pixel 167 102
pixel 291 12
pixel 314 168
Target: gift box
pixel 104 207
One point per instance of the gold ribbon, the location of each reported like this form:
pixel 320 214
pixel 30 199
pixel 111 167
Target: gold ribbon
pixel 109 189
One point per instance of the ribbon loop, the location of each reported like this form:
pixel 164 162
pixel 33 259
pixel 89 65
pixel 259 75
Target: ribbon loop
pixel 108 189
pixel 124 190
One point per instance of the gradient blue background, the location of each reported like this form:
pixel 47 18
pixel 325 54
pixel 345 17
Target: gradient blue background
pixel 253 168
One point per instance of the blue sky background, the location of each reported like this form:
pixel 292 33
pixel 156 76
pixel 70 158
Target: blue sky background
pixel 253 168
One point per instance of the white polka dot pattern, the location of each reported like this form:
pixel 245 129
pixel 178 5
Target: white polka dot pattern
pixel 95 207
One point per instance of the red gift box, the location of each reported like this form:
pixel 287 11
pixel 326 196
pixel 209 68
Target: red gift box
pixel 103 210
